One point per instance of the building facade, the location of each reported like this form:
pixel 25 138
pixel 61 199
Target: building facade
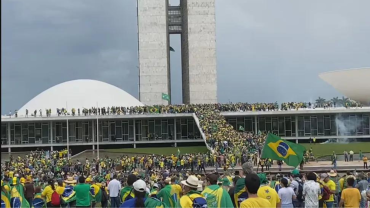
pixel 178 128
pixel 195 21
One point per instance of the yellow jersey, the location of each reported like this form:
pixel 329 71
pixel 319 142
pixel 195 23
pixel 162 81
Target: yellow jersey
pixel 270 194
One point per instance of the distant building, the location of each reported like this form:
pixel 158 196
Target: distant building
pixel 195 21
pixel 353 83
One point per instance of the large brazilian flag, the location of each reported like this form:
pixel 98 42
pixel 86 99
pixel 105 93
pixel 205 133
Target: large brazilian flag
pixel 278 149
pixel 5 201
pixel 17 199
pixel 69 195
pixel 38 201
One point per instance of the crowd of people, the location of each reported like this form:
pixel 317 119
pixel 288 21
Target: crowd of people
pixel 188 108
pixel 50 179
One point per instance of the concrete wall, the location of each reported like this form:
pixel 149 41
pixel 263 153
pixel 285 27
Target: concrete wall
pixel 153 51
pixel 199 51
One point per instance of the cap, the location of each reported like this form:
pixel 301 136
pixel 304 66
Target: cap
pixel 295 172
pixel 140 186
pixel 324 175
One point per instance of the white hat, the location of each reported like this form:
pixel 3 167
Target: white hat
pixel 191 182
pixel 140 186
pixel 155 185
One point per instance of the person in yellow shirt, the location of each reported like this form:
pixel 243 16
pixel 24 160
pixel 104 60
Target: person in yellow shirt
pixel 351 196
pixel 331 185
pixel 60 188
pixel 176 187
pixel 252 184
pixel 266 192
pixel 48 191
pixel 364 159
pixel 191 195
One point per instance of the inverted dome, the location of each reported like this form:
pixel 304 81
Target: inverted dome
pixel 353 83
pixel 82 93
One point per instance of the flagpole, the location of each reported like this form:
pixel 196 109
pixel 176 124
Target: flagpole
pixel 264 144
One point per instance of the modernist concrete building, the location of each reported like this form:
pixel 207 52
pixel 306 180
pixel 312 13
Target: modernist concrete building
pixel 195 21
pixel 353 83
pixel 140 130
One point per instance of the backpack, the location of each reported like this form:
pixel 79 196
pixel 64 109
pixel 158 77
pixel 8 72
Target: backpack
pixel 55 199
pixel 300 191
pixel 325 193
pixel 199 202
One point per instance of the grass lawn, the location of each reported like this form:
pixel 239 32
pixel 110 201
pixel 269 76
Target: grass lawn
pixel 160 150
pixel 320 150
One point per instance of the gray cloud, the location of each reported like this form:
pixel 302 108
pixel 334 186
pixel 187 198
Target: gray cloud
pixel 266 50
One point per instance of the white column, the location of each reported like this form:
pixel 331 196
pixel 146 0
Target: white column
pixel 93 132
pixel 51 133
pixel 8 125
pixel 336 124
pixel 134 132
pixel 9 150
pixel 175 130
pixel 93 147
pixel 97 136
pixel 255 125
pixel 296 126
pixel 67 139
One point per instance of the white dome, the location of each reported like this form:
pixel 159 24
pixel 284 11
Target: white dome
pixel 82 93
pixel 353 83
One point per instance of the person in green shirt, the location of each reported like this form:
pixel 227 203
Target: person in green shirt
pixel 167 194
pixel 82 190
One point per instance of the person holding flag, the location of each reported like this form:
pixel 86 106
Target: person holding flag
pixel 276 148
pixel 5 198
pixel 216 196
pixel 17 198
pixel 168 194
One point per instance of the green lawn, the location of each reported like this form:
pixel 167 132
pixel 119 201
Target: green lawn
pixel 160 150
pixel 320 150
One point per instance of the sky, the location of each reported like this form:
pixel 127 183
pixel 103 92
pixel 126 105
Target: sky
pixel 267 51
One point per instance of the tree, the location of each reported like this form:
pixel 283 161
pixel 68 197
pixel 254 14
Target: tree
pixel 344 100
pixel 320 101
pixel 335 101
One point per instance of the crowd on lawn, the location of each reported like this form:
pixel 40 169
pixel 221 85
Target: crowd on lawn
pixel 49 179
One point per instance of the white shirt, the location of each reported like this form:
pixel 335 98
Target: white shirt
pixel 311 192
pixel 114 188
pixel 285 195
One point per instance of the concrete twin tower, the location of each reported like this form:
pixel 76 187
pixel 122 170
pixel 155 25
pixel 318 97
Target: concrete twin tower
pixel 195 21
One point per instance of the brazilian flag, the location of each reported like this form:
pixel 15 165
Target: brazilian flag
pixel 17 199
pixel 38 201
pixel 278 149
pixel 153 202
pixel 154 109
pixel 5 201
pixel 69 195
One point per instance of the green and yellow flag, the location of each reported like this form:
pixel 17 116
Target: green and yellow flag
pixel 17 198
pixel 278 149
pixel 165 97
pixel 5 200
